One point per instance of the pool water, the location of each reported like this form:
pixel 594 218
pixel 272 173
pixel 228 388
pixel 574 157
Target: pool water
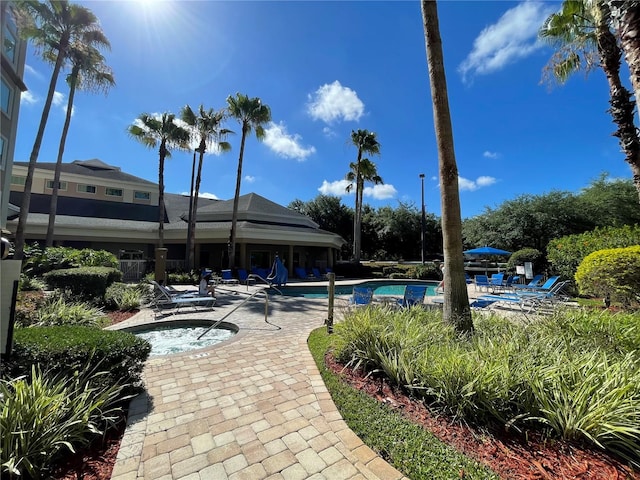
pixel 166 340
pixel 320 291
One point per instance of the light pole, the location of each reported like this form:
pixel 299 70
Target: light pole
pixel 423 220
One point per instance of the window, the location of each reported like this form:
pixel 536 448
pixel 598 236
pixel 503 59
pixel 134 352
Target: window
pixel 18 180
pixel 86 188
pixel 141 195
pixel 113 192
pixel 9 42
pixel 61 185
pixel 6 97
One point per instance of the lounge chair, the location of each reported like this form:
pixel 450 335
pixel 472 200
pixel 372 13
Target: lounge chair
pixel 227 278
pixel 482 281
pixel 164 301
pixel 413 295
pixel 545 287
pixel 316 273
pixel 244 278
pixel 301 273
pixel 529 301
pixel 362 296
pixel 495 282
pixel 507 285
pixel 535 282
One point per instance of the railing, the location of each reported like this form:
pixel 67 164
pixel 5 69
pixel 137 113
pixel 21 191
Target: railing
pixel 132 270
pixel 266 310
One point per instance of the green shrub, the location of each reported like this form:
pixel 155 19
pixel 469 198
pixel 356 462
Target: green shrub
pixel 44 417
pixel 536 257
pixel 66 349
pixel 121 296
pixel 428 271
pixel 566 253
pixel 577 373
pixel 39 261
pixel 613 273
pixel 55 310
pixel 30 284
pixel 182 278
pixel 84 282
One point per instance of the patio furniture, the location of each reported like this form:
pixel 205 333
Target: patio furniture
pixel 482 281
pixel 227 278
pixel 362 296
pixel 413 295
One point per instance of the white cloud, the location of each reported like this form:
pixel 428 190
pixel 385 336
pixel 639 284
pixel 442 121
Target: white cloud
pixel 28 98
pixel 512 37
pixel 284 144
pixel 492 155
pixel 73 109
pixel 471 185
pixel 337 188
pixel 328 132
pixel 58 99
pixel 249 178
pixel 212 196
pixel 28 69
pixel 380 192
pixel 333 102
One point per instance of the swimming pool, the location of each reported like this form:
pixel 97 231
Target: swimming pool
pixel 380 287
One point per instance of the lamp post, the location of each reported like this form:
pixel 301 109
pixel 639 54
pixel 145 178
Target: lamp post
pixel 423 220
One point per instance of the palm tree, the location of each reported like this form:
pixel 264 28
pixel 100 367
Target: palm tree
pixel 456 298
pixel 206 130
pixel 366 172
pixel 251 115
pixel 626 18
pixel 165 134
pixel 582 34
pixel 366 142
pixel 88 72
pixel 52 26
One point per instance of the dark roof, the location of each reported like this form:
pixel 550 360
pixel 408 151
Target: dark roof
pixel 92 168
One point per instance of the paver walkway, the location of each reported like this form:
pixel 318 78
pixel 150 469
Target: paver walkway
pixel 253 407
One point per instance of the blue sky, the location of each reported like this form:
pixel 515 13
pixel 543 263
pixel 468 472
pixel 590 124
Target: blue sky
pixel 325 68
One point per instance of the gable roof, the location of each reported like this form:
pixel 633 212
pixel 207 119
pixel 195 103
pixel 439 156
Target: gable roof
pixel 91 168
pixel 255 209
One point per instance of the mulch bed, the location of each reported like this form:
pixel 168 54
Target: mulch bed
pixel 511 456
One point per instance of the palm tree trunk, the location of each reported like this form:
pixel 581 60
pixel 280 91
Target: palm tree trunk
pixel 358 209
pixel 53 207
pixel 630 40
pixel 163 154
pixel 192 246
pixel 189 253
pixel 622 107
pixel 234 218
pixel 456 299
pixel 33 158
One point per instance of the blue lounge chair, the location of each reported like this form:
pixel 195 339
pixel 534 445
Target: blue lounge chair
pixel 535 282
pixel 362 296
pixel 227 278
pixel 301 273
pixel 316 273
pixel 165 302
pixel 413 295
pixel 244 278
pixel 546 286
pixel 528 301
pixel 482 281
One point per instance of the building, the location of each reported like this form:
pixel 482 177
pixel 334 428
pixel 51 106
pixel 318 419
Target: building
pixel 101 207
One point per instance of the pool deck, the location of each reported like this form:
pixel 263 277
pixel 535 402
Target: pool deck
pixel 253 407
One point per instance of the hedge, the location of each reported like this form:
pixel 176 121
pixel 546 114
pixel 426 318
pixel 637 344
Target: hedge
pixel 85 282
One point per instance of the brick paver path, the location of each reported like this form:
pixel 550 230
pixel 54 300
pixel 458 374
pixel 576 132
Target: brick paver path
pixel 254 407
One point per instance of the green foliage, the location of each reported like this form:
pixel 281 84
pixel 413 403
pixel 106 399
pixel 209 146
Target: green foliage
pixel 45 417
pixel 40 261
pixel 121 296
pixel 566 253
pixel 30 284
pixel 66 349
pixel 84 282
pixel 182 278
pixel 612 273
pixel 526 255
pixel 428 271
pixel 55 310
pixel 417 453
pixel 576 372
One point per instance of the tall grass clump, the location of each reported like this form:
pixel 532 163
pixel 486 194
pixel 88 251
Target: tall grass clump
pixel 575 374
pixel 45 417
pixel 56 310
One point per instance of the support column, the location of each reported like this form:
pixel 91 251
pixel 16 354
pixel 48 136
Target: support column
pixel 161 265
pixel 290 259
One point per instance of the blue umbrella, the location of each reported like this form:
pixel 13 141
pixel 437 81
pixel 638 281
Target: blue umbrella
pixel 484 251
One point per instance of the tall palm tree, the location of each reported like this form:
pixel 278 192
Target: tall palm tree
pixel 251 114
pixel 626 19
pixel 581 32
pixel 52 26
pixel 366 142
pixel 165 134
pixel 88 72
pixel 206 129
pixel 358 175
pixel 456 298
